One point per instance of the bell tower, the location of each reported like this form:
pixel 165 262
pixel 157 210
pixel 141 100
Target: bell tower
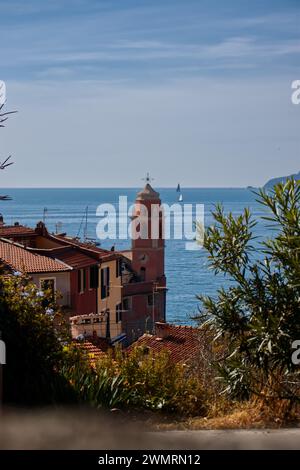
pixel 148 244
pixel 147 291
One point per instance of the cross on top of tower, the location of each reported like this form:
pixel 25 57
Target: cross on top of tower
pixel 148 178
pixel 148 192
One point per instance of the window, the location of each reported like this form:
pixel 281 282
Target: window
pixel 150 300
pixel 81 280
pixel 105 283
pixel 143 274
pixel 118 267
pixel 118 313
pixel 94 277
pixel 48 285
pixel 107 335
pixel 161 234
pixel 127 303
pixel 84 278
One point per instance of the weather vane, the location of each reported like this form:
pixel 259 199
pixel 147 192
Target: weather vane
pixel 148 178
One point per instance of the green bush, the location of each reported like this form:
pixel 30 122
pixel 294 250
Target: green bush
pixel 34 336
pixel 140 381
pixel 258 316
pixel 44 367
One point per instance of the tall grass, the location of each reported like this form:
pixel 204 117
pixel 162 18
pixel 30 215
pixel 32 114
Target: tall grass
pixel 138 381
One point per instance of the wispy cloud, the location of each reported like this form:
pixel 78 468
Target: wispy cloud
pixel 129 37
pixel 248 50
pixel 204 83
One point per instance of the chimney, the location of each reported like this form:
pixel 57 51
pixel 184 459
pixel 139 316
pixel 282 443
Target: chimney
pixel 162 330
pixel 1 220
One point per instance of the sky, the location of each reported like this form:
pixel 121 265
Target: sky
pixel 193 91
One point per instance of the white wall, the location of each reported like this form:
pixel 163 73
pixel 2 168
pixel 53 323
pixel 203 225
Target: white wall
pixel 62 282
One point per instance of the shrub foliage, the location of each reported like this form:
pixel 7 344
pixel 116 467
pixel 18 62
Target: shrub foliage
pixel 34 336
pixel 258 316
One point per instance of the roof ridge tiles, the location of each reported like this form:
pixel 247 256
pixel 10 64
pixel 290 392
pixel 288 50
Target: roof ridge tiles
pixel 17 257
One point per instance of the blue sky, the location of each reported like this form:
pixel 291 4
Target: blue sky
pixel 192 91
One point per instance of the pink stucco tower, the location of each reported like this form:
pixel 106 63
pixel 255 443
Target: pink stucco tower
pixel 148 292
pixel 148 250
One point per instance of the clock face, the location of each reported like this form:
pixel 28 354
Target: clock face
pixel 143 258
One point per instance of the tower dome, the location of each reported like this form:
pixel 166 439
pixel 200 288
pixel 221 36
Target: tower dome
pixel 147 194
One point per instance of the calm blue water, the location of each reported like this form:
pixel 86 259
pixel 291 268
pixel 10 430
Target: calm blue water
pixel 187 271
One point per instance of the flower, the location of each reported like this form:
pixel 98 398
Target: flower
pixel 40 293
pixel 80 337
pixel 17 273
pixel 49 311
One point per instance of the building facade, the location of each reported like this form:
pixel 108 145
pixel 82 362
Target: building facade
pixel 106 294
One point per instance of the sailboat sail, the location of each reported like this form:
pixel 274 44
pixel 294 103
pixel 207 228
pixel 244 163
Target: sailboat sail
pixel 178 188
pixel 180 199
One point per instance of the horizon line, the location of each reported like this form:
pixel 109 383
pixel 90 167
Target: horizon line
pixel 128 187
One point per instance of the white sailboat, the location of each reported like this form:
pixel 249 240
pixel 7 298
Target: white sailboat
pixel 178 190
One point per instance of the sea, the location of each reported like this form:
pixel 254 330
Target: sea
pixel 73 210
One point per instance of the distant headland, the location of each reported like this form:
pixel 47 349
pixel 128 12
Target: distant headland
pixel 280 179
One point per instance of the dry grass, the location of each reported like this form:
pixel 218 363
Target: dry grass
pixel 250 415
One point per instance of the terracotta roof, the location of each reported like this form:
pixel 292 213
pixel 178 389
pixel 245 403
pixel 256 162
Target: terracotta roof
pixel 69 255
pixel 20 259
pixel 184 343
pixel 88 248
pixel 16 230
pixel 93 347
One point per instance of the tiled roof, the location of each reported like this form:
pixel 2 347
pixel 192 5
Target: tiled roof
pixel 88 248
pixel 73 257
pixel 16 230
pixel 95 251
pixel 184 343
pixel 20 259
pixel 93 347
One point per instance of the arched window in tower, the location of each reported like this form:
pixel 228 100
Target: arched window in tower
pixel 160 225
pixel 143 273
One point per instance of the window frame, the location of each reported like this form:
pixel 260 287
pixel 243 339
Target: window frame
pixel 118 267
pixel 95 269
pixel 129 301
pixel 150 300
pixel 49 278
pixel 119 311
pixel 81 280
pixel 104 287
